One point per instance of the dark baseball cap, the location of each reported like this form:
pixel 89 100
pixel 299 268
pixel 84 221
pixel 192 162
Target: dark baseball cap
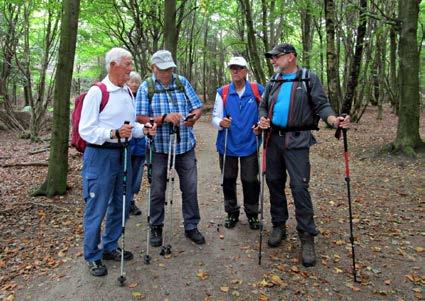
pixel 280 49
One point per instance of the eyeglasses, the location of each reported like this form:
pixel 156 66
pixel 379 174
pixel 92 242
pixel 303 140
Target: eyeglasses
pixel 276 56
pixel 236 68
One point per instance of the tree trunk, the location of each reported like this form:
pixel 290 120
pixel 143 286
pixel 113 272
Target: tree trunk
pixel 204 62
pixel 307 34
pixel 265 28
pixel 191 47
pixel 318 25
pixel 252 44
pixel 393 70
pixel 408 124
pixel 170 28
pixel 55 183
pixel 334 88
pixel 355 66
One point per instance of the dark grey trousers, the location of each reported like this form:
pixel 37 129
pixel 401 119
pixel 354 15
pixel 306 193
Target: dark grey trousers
pixel 187 171
pixel 296 163
pixel 250 183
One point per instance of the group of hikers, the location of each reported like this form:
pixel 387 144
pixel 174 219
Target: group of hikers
pixel 163 109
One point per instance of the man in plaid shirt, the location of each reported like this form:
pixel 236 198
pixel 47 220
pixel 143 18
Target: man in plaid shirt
pixel 173 103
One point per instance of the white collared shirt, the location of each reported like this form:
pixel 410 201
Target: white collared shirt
pixel 218 110
pixel 96 127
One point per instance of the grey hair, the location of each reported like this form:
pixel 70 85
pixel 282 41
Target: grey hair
pixel 135 76
pixel 115 55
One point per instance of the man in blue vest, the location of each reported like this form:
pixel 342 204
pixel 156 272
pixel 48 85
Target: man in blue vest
pixel 235 112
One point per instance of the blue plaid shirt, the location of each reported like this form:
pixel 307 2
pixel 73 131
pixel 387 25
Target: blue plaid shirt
pixel 162 104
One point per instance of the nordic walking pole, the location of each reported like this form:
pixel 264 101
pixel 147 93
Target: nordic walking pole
pixel 226 131
pixel 122 278
pixel 148 163
pixel 176 130
pixel 262 174
pixel 166 248
pixel 347 180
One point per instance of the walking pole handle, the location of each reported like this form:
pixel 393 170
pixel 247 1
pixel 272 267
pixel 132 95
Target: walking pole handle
pixel 339 129
pixel 151 121
pixel 126 139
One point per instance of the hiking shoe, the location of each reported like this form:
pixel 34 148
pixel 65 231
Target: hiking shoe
pixel 275 238
pixel 155 239
pixel 195 236
pixel 97 268
pixel 308 254
pixel 231 220
pixel 134 210
pixel 254 223
pixel 116 255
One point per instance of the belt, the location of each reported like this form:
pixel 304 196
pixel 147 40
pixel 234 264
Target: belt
pixel 107 145
pixel 279 132
pixel 282 131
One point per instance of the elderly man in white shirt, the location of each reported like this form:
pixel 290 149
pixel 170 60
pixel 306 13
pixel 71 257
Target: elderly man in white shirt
pixel 103 162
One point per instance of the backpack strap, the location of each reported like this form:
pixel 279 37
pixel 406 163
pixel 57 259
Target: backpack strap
pixel 105 95
pixel 151 88
pixel 225 94
pixel 180 86
pixel 306 82
pixel 254 88
pixel 305 77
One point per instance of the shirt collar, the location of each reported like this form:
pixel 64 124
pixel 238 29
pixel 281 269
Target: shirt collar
pixel 233 89
pixel 112 87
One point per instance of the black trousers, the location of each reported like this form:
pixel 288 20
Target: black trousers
pixel 250 183
pixel 295 163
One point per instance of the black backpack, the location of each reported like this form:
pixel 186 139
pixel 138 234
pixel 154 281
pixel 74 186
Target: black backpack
pixel 303 75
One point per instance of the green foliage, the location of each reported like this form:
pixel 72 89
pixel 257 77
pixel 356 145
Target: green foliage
pixel 108 23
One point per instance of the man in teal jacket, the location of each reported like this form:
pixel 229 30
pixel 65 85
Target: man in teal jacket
pixel 288 111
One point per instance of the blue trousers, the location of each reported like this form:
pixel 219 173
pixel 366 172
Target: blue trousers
pixel 103 186
pixel 137 166
pixel 187 171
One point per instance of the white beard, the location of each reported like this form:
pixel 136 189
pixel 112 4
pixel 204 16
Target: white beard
pixel 277 69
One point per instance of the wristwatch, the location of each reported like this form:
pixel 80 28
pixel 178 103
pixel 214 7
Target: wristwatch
pixel 111 134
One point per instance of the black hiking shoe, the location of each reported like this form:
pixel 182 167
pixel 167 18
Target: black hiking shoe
pixel 195 236
pixel 97 268
pixel 231 220
pixel 254 223
pixel 134 210
pixel 116 255
pixel 308 254
pixel 156 236
pixel 275 238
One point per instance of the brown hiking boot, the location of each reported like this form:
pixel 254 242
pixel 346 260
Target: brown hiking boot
pixel 308 254
pixel 275 238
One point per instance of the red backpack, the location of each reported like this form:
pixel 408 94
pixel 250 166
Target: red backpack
pixel 76 140
pixel 254 88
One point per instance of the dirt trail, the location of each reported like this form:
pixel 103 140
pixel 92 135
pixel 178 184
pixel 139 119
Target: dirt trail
pixel 226 267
